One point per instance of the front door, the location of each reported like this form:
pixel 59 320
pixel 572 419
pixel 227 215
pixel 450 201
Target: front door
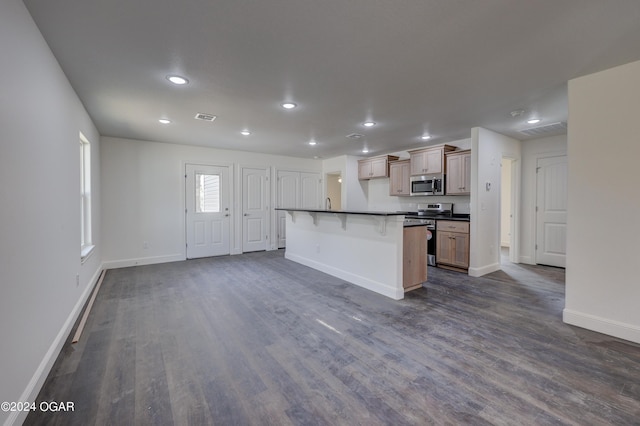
pixel 551 235
pixel 254 209
pixel 207 210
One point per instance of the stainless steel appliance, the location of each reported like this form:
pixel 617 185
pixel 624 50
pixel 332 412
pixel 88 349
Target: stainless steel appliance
pixel 426 216
pixel 427 185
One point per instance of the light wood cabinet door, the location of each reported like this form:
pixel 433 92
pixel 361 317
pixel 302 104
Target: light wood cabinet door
pixel 374 167
pixel 452 244
pixel 458 173
pixel 399 178
pixel 429 160
pixel 414 270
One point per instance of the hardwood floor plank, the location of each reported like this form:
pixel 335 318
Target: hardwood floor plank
pixel 257 340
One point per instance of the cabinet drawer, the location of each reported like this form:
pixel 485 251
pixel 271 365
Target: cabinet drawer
pixel 452 226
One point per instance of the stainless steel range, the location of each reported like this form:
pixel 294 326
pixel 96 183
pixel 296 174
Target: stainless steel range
pixel 426 216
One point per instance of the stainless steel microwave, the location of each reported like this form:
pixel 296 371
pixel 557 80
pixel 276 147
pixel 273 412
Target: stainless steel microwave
pixel 427 185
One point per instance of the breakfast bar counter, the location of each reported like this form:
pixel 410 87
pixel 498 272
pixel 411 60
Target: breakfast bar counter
pixel 364 248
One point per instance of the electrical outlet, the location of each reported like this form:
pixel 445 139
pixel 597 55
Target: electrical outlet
pixel 145 245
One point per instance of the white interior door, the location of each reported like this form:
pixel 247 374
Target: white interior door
pixel 207 210
pixel 254 209
pixel 311 190
pixel 287 196
pixel 551 229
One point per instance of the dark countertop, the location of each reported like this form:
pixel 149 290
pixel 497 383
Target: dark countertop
pixel 369 213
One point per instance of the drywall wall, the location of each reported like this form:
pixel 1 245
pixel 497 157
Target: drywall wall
pixel 602 290
pixel 43 282
pixel 532 151
pixel 487 150
pixel 143 196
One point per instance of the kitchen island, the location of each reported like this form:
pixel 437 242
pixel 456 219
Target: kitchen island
pixel 362 247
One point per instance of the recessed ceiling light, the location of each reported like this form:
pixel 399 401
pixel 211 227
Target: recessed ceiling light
pixel 369 123
pixel 365 150
pixel 425 137
pixel 534 121
pixel 288 105
pixel 176 79
pixel 245 133
pixel 312 143
pixel 164 121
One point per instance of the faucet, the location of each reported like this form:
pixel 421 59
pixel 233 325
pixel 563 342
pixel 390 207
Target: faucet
pixel 327 204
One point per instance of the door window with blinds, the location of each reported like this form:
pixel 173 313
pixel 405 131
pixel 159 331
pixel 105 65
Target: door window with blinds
pixel 207 197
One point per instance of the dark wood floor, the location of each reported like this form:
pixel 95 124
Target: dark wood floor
pixel 256 339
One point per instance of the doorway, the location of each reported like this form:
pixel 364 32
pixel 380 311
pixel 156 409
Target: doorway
pixel 207 210
pixel 508 195
pixel 334 191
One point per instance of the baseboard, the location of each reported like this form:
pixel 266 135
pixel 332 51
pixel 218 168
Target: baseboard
pixel 359 280
pixel 602 325
pixel 527 260
pixel 125 263
pixel 484 270
pixel 40 375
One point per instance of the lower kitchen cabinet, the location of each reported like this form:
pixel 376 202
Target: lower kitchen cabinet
pixel 414 248
pixel 452 244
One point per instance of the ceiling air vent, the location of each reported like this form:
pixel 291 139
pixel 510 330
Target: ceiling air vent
pixel 205 117
pixel 355 136
pixel 546 130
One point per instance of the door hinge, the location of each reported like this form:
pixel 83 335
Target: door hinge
pixel 536 247
pixel 185 176
pixel 536 208
pixel 185 211
pixel 538 169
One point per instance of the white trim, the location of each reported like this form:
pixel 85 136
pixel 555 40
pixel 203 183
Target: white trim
pixel 86 252
pixel 364 282
pixel 125 263
pixel 40 375
pixel 602 325
pixel 484 270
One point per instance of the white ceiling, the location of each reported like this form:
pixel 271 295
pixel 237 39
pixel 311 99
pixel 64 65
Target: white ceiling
pixel 412 66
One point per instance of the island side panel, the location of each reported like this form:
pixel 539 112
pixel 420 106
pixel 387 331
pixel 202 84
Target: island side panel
pixel 351 248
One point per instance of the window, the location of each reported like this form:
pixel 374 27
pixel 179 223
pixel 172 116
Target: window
pixel 85 198
pixel 207 193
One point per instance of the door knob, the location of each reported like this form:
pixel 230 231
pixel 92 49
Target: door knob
pixel 246 214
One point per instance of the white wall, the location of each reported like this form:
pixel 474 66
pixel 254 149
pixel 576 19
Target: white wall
pixel 532 151
pixel 603 254
pixel 40 121
pixel 143 196
pixel 487 150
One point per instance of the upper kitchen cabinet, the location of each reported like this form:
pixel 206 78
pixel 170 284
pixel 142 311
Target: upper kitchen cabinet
pixel 374 167
pixel 458 173
pixel 429 160
pixel 399 172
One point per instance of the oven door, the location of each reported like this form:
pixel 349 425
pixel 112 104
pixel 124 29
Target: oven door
pixel 431 246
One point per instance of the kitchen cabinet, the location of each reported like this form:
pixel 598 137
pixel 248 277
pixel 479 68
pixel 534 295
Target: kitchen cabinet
pixel 452 244
pixel 458 180
pixel 429 160
pixel 374 167
pixel 399 172
pixel 414 246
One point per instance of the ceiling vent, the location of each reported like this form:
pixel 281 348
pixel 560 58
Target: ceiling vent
pixel 205 117
pixel 355 136
pixel 546 130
